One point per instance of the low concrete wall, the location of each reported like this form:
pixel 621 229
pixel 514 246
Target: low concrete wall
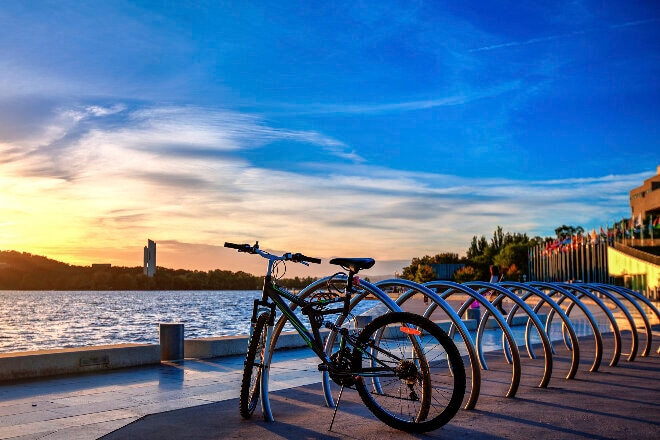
pixel 26 365
pixel 204 348
pixel 32 364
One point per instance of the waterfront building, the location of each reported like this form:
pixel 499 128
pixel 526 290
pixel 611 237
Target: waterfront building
pixel 645 199
pixel 631 258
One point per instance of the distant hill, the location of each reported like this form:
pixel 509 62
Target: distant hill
pixel 24 271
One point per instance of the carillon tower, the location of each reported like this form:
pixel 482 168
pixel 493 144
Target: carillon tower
pixel 150 258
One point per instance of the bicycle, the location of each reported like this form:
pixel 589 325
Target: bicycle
pixel 406 369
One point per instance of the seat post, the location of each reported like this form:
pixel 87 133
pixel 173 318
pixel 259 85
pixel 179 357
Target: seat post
pixel 349 282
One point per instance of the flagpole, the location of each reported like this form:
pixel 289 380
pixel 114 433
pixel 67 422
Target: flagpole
pixel 651 230
pixel 582 259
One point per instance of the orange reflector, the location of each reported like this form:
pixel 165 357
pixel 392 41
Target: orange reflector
pixel 410 331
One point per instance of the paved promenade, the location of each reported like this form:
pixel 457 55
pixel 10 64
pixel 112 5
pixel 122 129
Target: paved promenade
pixel 615 403
pixel 197 400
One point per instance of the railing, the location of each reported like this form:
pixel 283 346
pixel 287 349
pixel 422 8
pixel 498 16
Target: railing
pixel 645 256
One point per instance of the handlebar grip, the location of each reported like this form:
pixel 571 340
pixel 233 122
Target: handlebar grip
pixel 240 247
pixel 301 257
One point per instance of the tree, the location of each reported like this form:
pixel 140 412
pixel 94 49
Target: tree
pixel 564 231
pixel 498 239
pixel 424 274
pixel 477 247
pixel 411 272
pixel 513 255
pixel 465 274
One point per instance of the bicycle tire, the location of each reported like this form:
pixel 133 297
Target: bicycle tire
pixel 251 383
pixel 439 377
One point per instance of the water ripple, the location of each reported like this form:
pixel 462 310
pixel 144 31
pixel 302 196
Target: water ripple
pixel 39 320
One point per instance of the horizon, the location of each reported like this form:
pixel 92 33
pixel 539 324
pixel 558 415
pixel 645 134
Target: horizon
pixel 389 130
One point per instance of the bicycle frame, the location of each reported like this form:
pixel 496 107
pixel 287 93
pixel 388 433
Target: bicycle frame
pixel 273 296
pixel 275 293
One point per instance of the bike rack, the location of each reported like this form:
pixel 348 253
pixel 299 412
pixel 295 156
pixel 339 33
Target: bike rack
pixel 556 288
pixel 631 321
pixel 439 291
pixel 456 320
pixel 583 291
pixel 448 288
pixel 547 344
pixel 632 296
pixel 545 299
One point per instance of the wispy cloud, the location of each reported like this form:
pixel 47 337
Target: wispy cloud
pixel 395 107
pixel 635 23
pixel 126 188
pixel 548 38
pixel 524 42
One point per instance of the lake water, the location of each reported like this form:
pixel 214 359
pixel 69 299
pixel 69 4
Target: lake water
pixel 39 320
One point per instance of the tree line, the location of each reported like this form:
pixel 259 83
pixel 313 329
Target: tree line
pixel 24 271
pixel 508 251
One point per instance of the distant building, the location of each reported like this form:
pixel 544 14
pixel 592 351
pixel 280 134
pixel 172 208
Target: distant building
pixel 150 258
pixel 446 271
pixel 645 199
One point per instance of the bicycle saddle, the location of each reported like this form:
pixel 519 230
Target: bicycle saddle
pixel 354 264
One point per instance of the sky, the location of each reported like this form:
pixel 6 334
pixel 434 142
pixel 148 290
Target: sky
pixel 384 129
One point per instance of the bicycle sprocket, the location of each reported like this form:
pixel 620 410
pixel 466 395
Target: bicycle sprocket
pixel 341 362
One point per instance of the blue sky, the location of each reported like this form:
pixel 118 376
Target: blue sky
pixel 385 129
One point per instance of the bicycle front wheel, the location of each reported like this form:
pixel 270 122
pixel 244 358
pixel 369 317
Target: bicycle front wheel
pixel 254 364
pixel 411 374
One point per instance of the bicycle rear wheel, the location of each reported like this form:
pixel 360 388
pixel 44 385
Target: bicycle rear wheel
pixel 411 374
pixel 254 364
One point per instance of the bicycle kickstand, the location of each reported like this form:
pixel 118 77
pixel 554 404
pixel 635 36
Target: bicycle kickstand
pixel 336 408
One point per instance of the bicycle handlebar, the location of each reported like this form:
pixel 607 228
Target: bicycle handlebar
pixel 240 247
pixel 296 258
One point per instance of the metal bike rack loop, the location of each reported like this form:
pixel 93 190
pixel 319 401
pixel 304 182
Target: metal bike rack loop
pixel 545 299
pixel 547 344
pixel 456 320
pixel 631 321
pixel 448 288
pixel 633 296
pixel 642 298
pixel 598 338
pixel 582 291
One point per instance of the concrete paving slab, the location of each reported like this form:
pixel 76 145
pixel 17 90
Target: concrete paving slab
pixel 613 403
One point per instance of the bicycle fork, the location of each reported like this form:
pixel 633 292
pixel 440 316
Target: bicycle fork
pixel 265 372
